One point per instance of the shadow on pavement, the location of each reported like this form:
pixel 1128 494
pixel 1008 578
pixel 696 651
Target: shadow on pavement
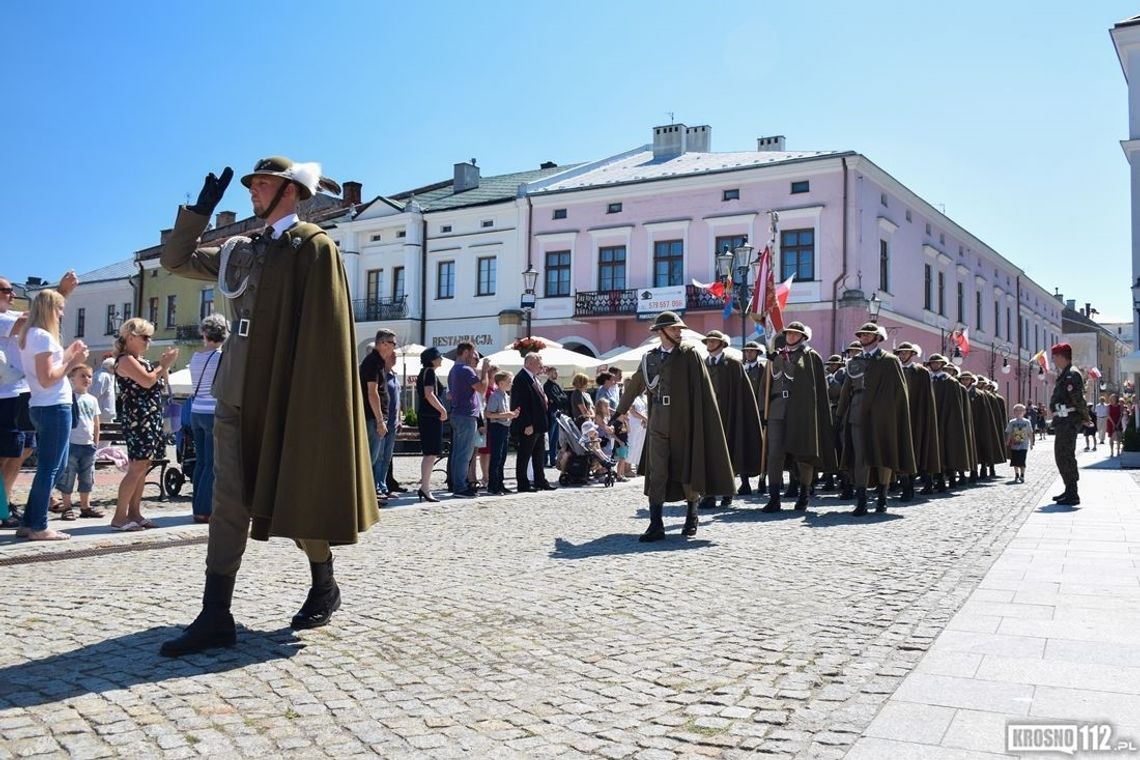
pixel 620 543
pixel 125 661
pixel 1105 464
pixel 837 518
pixel 1057 508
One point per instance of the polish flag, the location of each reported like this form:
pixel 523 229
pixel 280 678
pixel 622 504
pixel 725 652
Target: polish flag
pixel 714 288
pixel 961 339
pixel 1094 373
pixel 1042 360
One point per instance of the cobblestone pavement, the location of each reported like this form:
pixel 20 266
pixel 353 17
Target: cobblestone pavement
pixel 521 626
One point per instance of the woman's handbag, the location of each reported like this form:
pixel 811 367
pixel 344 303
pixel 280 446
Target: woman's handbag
pixel 188 404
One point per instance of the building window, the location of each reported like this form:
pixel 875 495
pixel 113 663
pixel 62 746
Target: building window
pixel 110 327
pixel 728 244
pixel 730 195
pixel 487 223
pixel 444 228
pixel 206 304
pixel 997 320
pixel 961 303
pixel 1008 323
pixel 401 233
pixel 445 280
pixel 152 311
pixel 884 266
pixel 960 249
pixel 557 274
pixel 797 255
pixel 559 213
pixel 941 238
pixel 128 311
pixel 668 263
pixel 928 229
pixel 486 284
pixel 800 186
pixel 611 268
pixel 172 311
pixel 397 283
pixel 928 289
pixel 372 284
pixel 80 322
pixel 613 208
pixel 978 310
pixel 942 294
pixel 377 237
pixel 883 199
pixel 1036 338
pixel 908 215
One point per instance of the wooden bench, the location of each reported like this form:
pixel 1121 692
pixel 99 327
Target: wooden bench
pixel 112 433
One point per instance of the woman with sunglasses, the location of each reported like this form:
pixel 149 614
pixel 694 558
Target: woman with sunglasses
pixel 140 412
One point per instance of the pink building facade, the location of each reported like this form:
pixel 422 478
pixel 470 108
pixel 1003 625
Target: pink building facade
pixel 620 239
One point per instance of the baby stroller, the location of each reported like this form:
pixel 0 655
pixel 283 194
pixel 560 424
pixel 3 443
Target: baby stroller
pixel 575 459
pixel 173 479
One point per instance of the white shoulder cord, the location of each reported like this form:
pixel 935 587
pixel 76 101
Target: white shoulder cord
pixel 223 265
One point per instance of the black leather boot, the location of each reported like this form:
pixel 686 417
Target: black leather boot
pixel 993 472
pixel 656 530
pixel 745 487
pixel 907 488
pixel 927 485
pixel 793 489
pixel 708 502
pixel 691 521
pixel 828 482
pixel 773 504
pixel 1072 499
pixel 845 489
pixel 973 476
pixel 802 501
pixel 942 485
pixel 214 626
pixel 881 502
pixel 323 599
pixel 726 501
pixel 860 502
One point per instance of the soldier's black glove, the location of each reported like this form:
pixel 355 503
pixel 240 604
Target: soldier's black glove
pixel 212 191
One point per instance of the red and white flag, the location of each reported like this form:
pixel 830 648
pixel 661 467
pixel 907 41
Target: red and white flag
pixel 1042 360
pixel 1094 373
pixel 769 299
pixel 716 289
pixel 961 339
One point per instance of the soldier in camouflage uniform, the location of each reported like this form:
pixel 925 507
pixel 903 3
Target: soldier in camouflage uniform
pixel 1070 414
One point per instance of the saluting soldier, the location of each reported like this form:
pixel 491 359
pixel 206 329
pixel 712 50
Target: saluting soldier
pixel 292 345
pixel 951 422
pixel 685 454
pixel 877 443
pixel 799 417
pixel 923 419
pixel 1070 414
pixel 755 360
pixel 739 415
pixel 835 374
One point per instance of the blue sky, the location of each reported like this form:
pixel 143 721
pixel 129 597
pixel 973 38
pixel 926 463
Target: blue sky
pixel 1009 114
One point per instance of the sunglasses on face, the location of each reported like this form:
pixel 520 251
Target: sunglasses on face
pixel 7 290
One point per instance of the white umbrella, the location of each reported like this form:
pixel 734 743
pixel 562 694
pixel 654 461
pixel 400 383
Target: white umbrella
pixel 614 352
pixel 631 359
pixel 407 368
pixel 567 362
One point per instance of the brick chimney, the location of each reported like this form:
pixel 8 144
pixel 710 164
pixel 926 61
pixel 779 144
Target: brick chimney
pixel 466 177
pixel 775 143
pixel 225 219
pixel 164 234
pixel 351 193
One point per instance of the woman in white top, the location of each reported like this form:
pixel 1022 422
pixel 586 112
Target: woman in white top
pixel 638 417
pixel 203 367
pixel 46 365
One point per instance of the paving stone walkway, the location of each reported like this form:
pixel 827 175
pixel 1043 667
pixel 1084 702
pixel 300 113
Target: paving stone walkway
pixel 521 626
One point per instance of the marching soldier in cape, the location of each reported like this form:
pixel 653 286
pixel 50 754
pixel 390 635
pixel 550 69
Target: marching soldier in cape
pixel 685 454
pixel 835 374
pixel 969 475
pixel 739 415
pixel 292 344
pixel 877 442
pixel 923 420
pixel 755 359
pixel 854 348
pixel 1070 414
pixel 983 441
pixel 987 388
pixel 799 417
pixel 951 422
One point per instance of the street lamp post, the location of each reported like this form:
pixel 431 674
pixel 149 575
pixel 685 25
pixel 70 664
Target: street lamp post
pixel 740 261
pixel 530 279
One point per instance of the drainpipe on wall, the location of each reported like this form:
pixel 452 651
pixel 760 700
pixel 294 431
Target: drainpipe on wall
pixel 423 280
pixel 529 237
pixel 1018 334
pixel 843 274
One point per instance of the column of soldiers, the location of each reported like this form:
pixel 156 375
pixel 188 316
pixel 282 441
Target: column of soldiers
pixel 863 424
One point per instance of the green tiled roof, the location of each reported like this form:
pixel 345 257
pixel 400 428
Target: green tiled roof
pixel 493 189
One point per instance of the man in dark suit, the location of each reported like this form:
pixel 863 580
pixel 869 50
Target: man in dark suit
pixel 529 398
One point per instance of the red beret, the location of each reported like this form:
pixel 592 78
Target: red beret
pixel 1062 348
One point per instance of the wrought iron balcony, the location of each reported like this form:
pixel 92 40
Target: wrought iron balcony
pixel 601 303
pixel 380 309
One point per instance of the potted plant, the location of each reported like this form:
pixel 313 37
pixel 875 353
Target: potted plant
pixel 528 345
pixel 1130 445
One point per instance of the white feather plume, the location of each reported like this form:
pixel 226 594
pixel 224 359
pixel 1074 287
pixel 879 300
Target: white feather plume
pixel 307 174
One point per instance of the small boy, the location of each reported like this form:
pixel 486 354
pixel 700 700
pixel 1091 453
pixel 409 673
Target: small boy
pixel 81 447
pixel 499 415
pixel 1019 438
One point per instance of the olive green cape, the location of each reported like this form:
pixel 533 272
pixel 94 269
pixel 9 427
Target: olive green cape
pixel 739 416
pixel 808 435
pixel 886 417
pixel 951 425
pixel 923 419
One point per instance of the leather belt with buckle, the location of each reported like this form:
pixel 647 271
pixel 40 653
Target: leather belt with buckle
pixel 241 327
pixel 781 394
pixel 663 399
